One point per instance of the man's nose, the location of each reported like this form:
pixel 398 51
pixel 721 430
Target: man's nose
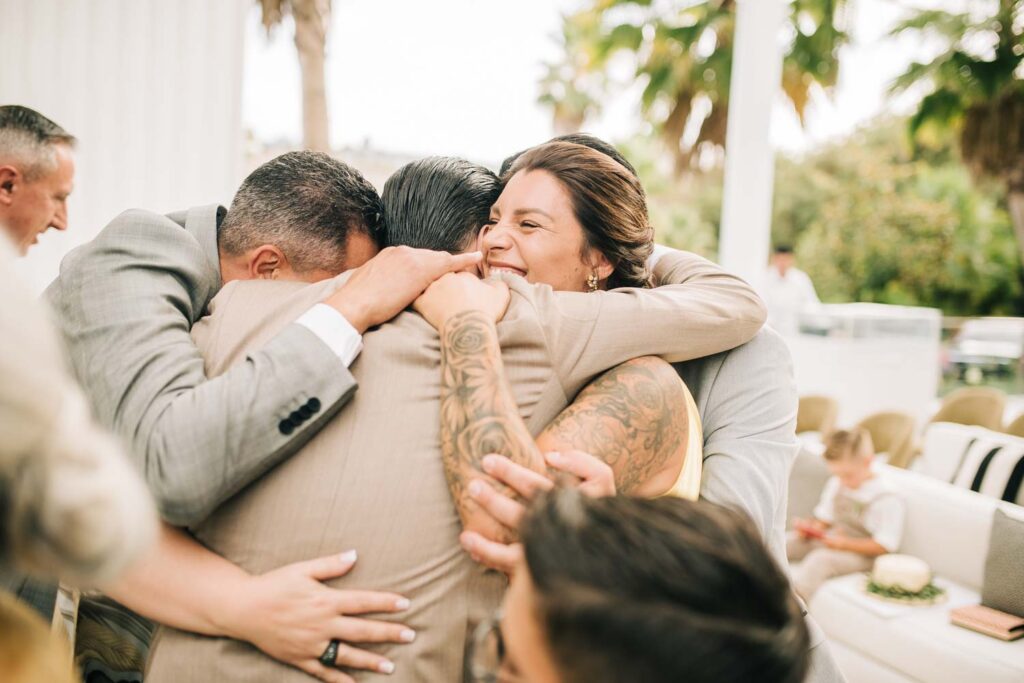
pixel 60 219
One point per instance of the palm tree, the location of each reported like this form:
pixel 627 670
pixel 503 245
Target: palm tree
pixel 975 89
pixel 312 19
pixel 682 52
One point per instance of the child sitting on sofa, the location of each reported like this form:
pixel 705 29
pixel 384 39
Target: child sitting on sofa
pixel 858 518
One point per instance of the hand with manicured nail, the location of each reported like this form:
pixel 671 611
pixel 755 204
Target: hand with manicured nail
pixel 292 616
pixel 593 477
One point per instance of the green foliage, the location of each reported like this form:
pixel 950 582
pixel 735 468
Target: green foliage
pixel 873 221
pixel 684 212
pixel 974 91
pixel 681 53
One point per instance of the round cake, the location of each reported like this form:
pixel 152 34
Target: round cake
pixel 903 572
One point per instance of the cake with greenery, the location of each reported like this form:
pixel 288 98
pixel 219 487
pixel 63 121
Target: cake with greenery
pixel 903 578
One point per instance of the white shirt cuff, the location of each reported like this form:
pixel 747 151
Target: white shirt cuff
pixel 334 330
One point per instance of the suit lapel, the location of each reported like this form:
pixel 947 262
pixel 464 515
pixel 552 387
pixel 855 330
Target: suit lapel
pixel 202 222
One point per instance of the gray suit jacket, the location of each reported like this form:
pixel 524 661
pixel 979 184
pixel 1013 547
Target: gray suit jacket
pixel 126 303
pixel 747 399
pixel 373 479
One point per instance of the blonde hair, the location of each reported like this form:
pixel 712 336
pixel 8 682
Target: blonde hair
pixel 71 503
pixel 844 444
pixel 29 651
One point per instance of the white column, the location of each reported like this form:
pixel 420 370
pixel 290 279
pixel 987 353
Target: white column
pixel 152 91
pixel 749 161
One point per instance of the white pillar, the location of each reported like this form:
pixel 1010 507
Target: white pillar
pixel 749 161
pixel 152 91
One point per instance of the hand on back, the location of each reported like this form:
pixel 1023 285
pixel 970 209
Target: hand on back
pixel 292 616
pixel 385 285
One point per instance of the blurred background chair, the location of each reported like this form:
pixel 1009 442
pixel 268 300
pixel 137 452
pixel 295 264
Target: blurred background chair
pixel 981 406
pixel 1016 428
pixel 816 414
pixel 892 433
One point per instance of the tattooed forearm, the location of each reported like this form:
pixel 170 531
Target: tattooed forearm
pixel 478 412
pixel 634 417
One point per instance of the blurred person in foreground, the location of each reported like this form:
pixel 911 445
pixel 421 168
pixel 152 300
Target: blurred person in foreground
pixel 787 291
pixel 71 506
pixel 37 173
pixel 620 589
pixel 859 517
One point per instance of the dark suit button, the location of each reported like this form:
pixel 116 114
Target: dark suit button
pixel 286 427
pixel 313 404
pixel 305 412
pixel 296 418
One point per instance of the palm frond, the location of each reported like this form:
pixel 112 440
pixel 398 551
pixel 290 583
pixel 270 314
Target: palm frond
pixel 948 24
pixel 272 12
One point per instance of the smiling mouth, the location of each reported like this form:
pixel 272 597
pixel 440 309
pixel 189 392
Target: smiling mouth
pixel 505 268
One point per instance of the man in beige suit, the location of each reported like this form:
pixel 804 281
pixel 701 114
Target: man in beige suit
pixel 373 479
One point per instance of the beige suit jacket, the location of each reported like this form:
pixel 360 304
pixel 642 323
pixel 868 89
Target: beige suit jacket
pixel 373 479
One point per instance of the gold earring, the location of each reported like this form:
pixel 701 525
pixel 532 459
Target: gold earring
pixel 592 282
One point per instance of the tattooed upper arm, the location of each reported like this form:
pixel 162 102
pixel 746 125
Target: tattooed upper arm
pixel 634 417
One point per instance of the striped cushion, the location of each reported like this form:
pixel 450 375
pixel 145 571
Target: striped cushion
pixel 993 467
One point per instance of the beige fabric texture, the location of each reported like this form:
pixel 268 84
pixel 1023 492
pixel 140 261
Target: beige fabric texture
pixel 373 480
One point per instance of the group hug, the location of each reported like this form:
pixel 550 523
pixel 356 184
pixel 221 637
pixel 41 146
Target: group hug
pixel 475 427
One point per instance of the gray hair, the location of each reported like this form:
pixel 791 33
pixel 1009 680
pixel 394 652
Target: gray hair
pixel 306 204
pixel 29 138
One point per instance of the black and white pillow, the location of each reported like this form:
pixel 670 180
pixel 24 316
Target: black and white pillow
pixel 993 468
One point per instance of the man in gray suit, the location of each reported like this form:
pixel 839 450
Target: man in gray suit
pixel 127 300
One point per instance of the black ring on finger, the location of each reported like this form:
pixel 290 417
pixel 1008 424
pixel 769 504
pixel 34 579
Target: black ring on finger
pixel 330 655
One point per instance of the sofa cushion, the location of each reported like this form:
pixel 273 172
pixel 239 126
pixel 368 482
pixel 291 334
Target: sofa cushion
pixel 1004 579
pixel 919 642
pixel 943 449
pixel 991 463
pixel 994 468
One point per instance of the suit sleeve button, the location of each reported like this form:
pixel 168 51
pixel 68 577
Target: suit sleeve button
pixel 286 427
pixel 313 404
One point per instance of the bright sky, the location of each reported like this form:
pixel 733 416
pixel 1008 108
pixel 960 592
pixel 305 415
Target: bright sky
pixel 460 77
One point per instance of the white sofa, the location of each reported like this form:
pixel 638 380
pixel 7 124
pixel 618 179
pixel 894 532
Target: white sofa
pixel 877 642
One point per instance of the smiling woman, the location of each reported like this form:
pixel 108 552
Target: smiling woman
pixel 570 217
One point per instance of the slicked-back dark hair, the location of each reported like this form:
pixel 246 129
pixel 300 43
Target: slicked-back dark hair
pixel 585 139
pixel 306 203
pixel 438 203
pixel 661 590
pixel 30 137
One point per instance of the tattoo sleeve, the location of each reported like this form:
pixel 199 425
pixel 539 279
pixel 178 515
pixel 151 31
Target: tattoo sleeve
pixel 634 417
pixel 478 415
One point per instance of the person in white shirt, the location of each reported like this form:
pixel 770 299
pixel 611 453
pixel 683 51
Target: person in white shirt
pixel 787 291
pixel 858 518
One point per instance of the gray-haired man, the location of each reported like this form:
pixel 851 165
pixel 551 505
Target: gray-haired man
pixel 37 173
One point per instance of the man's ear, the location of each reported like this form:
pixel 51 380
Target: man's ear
pixel 265 261
pixel 10 179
